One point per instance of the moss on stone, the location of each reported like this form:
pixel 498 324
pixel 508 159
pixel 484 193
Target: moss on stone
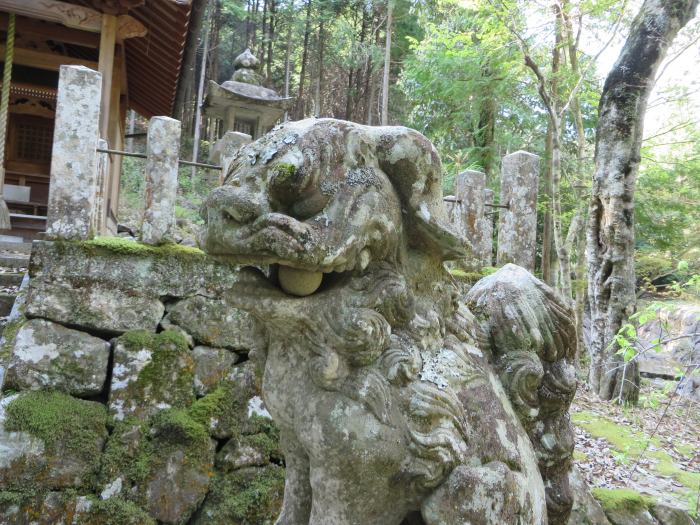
pixel 178 427
pixel 9 335
pixel 75 425
pixel 170 373
pixel 114 511
pixel 226 405
pixel 123 246
pixel 246 496
pixel 621 499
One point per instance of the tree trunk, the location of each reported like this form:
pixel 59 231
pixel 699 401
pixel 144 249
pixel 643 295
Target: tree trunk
pixel 271 36
pixel 300 95
pixel 387 66
pixel 189 57
pixel 198 105
pixel 318 85
pixel 546 262
pixel 610 235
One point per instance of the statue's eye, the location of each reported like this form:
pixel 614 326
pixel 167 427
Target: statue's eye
pixel 295 191
pixel 286 183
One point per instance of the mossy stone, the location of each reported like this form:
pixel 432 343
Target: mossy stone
pixel 72 431
pixel 151 372
pixel 244 497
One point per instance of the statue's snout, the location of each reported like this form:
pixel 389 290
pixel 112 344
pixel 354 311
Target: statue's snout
pixel 234 205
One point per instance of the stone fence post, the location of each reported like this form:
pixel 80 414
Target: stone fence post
pixel 517 225
pixel 469 191
pixel 225 149
pixel 162 150
pixel 487 230
pixel 74 166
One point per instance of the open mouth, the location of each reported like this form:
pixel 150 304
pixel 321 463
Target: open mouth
pixel 293 281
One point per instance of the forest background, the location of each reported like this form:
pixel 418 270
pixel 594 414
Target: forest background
pixel 480 78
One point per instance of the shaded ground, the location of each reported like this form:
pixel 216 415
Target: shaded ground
pixel 653 449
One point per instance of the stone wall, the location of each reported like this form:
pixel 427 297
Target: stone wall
pixel 128 395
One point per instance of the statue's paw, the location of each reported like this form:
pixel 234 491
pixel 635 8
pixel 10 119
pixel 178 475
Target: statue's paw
pixel 488 495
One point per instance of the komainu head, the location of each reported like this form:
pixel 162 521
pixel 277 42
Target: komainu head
pixel 398 399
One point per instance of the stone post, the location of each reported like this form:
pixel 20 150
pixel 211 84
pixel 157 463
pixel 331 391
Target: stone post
pixel 162 150
pixel 469 190
pixel 517 225
pixel 74 173
pixel 225 150
pixel 487 231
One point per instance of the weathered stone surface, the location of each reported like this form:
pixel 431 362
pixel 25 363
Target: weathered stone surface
pixel 165 465
pixel 680 322
pixel 162 152
pixel 517 225
pixel 52 508
pixel 48 355
pixel 50 440
pixel 227 410
pixel 487 233
pixel 98 307
pixel 73 185
pixel 168 270
pixel 251 495
pixel 211 366
pixel 151 372
pixel 586 510
pixel 215 323
pixel 469 215
pixel 383 373
pixel 666 515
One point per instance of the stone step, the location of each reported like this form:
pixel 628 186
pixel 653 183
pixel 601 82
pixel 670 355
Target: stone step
pixel 7 300
pixel 20 247
pixel 14 261
pixel 10 279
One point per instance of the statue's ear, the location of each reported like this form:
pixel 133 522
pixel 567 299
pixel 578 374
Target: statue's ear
pixel 413 165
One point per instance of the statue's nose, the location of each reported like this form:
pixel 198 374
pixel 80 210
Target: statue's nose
pixel 235 204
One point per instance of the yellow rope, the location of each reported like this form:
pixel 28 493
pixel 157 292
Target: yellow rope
pixel 5 99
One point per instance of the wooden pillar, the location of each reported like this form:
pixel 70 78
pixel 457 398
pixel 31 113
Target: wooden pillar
pixel 108 37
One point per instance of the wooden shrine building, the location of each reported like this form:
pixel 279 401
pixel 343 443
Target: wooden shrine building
pixel 137 46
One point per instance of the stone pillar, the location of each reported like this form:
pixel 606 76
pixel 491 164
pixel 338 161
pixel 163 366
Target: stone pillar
pixel 225 149
pixel 74 173
pixel 103 166
pixel 517 225
pixel 469 190
pixel 162 150
pixel 487 231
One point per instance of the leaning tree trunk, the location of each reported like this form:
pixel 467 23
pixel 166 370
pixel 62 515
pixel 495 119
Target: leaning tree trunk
pixel 610 237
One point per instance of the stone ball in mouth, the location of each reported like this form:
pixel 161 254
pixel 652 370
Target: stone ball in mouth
pixel 298 282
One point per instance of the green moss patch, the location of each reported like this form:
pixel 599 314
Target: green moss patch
pixel 621 500
pixel 223 408
pixel 114 511
pixel 58 419
pixel 252 495
pixel 167 378
pixel 632 444
pixel 137 249
pixel 623 439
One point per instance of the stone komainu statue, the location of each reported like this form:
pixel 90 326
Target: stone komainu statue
pixel 398 401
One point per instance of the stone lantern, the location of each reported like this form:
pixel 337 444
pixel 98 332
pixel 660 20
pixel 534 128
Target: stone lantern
pixel 242 103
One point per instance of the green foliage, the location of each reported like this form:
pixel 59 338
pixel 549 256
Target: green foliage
pixel 114 511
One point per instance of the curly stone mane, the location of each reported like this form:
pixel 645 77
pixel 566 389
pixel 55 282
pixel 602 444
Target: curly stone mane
pixel 383 372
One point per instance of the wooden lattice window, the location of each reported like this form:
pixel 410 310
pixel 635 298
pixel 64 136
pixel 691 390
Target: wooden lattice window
pixel 246 126
pixel 32 139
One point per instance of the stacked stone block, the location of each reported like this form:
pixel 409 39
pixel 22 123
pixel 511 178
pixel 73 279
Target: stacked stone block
pixel 129 394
